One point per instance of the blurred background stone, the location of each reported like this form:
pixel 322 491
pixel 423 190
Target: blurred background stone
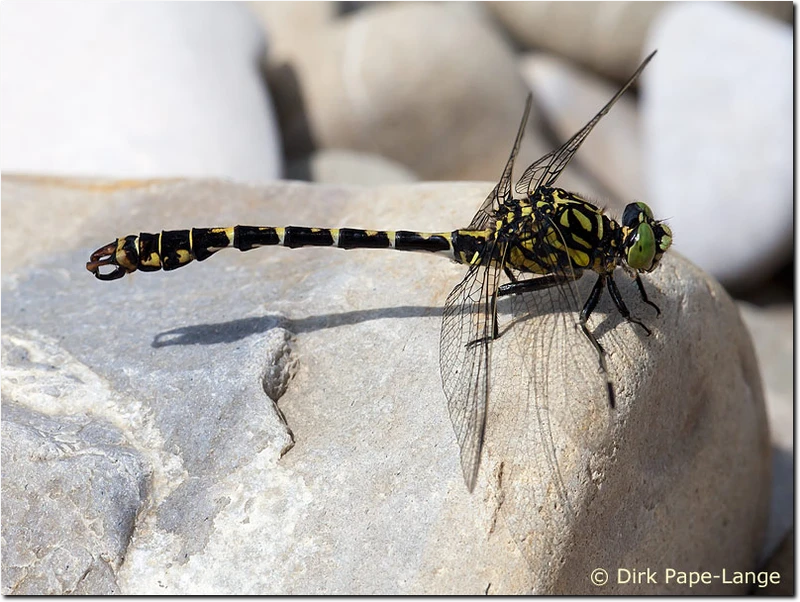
pixel 569 98
pixel 719 158
pixel 348 167
pixel 608 37
pixel 123 89
pixel 434 89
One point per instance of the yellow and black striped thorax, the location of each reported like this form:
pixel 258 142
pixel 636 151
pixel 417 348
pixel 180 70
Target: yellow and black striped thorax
pixel 555 230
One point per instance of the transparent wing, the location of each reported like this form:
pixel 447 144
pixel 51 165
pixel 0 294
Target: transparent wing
pixel 502 190
pixel 465 356
pixel 549 413
pixel 546 170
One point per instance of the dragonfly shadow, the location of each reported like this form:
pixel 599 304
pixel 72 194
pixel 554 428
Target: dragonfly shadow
pixel 237 330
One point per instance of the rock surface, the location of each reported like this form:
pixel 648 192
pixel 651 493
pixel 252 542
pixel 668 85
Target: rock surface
pixel 72 487
pixel 353 485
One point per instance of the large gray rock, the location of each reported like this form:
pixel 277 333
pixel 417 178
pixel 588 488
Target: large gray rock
pixel 353 484
pixel 72 486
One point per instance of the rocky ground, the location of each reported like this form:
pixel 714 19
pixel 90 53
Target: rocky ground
pixel 273 422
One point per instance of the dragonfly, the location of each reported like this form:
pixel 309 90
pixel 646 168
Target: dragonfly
pixel 531 248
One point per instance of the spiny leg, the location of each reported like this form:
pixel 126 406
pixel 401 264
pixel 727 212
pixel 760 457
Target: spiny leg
pixel 516 287
pixel 616 296
pixel 587 310
pixel 537 284
pixel 643 293
pixel 532 284
pixel 495 332
pixel 510 275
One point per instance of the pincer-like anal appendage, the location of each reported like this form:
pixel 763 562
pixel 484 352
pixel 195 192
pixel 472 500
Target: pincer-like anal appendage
pixel 106 255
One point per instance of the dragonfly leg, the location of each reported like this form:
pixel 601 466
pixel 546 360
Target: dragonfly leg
pixel 522 286
pixel 587 310
pixel 617 298
pixel 643 293
pixel 495 329
pixel 516 287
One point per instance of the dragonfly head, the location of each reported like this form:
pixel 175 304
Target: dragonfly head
pixel 644 238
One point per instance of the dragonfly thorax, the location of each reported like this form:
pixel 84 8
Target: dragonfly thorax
pixel 557 231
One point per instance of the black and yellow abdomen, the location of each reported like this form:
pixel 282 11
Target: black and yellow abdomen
pixel 171 249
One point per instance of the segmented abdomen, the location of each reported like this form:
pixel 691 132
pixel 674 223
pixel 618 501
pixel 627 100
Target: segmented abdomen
pixel 172 249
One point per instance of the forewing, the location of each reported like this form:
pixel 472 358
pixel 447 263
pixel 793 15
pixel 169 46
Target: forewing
pixel 549 415
pixel 546 170
pixel 502 189
pixel 465 358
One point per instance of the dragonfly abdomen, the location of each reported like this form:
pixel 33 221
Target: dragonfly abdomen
pixel 171 249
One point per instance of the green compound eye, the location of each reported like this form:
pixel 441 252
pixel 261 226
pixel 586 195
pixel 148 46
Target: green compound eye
pixel 636 213
pixel 646 210
pixel 643 249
